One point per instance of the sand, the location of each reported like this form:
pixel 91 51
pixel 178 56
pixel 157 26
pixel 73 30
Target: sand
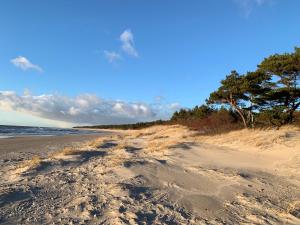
pixel 43 143
pixel 159 175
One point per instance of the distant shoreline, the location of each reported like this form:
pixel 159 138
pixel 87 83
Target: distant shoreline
pixel 8 131
pixel 42 144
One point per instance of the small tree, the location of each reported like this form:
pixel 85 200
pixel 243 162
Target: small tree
pixel 182 114
pixel 202 111
pixel 231 93
pixel 254 86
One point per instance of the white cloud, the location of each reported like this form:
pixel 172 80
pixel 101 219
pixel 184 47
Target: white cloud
pixel 127 40
pixel 247 6
pixel 174 106
pixel 112 56
pixel 83 109
pixel 25 64
pixel 159 98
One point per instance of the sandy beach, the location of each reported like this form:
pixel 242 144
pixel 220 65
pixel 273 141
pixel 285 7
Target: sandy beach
pixel 158 175
pixel 43 144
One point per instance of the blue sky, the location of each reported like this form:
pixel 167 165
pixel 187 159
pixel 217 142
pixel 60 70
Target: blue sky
pixel 129 60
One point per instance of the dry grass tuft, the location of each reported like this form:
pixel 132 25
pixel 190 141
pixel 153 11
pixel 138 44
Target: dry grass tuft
pixel 162 145
pixel 97 143
pixel 266 138
pixel 70 151
pixel 66 151
pixel 31 163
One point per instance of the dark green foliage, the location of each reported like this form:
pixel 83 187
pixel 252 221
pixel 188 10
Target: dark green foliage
pixel 231 92
pixel 271 117
pixel 286 94
pixel 199 112
pixel 134 126
pixel 254 86
pixel 208 120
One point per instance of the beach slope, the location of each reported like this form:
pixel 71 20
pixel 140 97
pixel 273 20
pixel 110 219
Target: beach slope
pixel 160 175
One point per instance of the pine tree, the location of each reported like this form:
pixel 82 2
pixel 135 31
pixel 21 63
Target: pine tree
pixel 254 86
pixel 286 69
pixel 231 93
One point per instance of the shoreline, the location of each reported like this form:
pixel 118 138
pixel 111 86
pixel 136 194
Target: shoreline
pixel 43 143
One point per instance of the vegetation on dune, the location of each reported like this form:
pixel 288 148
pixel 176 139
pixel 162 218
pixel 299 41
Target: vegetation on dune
pixel 207 119
pixel 269 96
pixel 134 126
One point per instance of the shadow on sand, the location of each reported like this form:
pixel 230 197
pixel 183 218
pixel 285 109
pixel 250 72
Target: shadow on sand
pixel 131 149
pixel 14 196
pixel 184 145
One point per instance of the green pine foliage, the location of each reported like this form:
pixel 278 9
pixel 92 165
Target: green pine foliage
pixel 135 126
pixel 268 96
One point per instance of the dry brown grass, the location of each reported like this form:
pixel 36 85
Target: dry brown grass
pixel 122 144
pixel 31 163
pixel 161 146
pixel 99 141
pixel 77 149
pixel 257 138
pixel 66 151
pixel 163 138
pixel 70 151
pixel 115 160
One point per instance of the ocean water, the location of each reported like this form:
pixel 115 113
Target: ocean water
pixel 16 131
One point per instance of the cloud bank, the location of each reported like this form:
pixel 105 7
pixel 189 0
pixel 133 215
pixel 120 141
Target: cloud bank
pixel 84 109
pixel 24 64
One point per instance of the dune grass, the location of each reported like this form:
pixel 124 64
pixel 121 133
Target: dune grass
pixel 32 163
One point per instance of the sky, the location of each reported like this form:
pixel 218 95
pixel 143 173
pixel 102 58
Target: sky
pixel 66 63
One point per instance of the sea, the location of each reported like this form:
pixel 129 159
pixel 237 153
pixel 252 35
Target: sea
pixel 18 131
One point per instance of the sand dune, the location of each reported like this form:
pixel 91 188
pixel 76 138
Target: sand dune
pixel 160 175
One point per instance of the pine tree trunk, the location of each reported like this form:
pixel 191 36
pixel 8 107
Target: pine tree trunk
pixel 240 113
pixel 251 112
pixel 243 118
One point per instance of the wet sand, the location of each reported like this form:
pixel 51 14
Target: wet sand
pixel 39 144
